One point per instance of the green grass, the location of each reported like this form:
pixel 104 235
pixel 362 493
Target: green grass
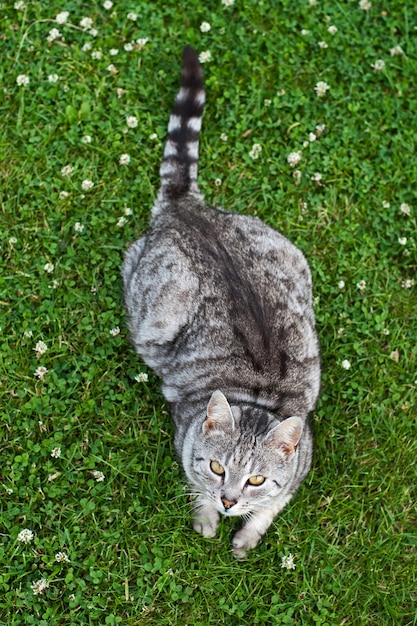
pixel 133 558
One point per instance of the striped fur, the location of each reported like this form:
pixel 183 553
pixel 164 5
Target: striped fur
pixel 180 162
pixel 220 307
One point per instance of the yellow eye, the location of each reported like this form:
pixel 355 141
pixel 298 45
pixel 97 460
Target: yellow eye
pixel 216 468
pixel 256 480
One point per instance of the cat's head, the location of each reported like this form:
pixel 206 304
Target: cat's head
pixel 241 457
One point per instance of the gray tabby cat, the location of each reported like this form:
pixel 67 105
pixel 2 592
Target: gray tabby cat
pixel 220 307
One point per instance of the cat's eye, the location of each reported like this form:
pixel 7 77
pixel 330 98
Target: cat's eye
pixel 217 468
pixel 256 480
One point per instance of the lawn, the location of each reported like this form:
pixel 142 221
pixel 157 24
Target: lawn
pixel 310 124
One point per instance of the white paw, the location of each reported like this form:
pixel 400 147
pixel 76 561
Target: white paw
pixel 206 523
pixel 245 539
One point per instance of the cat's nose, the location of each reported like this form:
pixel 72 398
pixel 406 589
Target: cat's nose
pixel 228 503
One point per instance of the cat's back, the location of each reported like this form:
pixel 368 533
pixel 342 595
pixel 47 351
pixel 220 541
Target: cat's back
pixel 208 244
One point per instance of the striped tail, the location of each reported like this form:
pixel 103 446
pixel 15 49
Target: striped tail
pixel 180 163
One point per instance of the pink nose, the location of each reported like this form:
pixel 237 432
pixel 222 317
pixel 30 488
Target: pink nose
pixel 228 503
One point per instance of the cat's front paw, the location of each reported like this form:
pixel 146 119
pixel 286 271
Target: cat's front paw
pixel 245 539
pixel 206 523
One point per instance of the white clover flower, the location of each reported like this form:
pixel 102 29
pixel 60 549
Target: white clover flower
pixel 267 102
pixel 323 45
pixel 317 177
pixel 297 175
pixel 142 42
pixel 378 66
pixel 361 285
pixel 40 348
pixel 49 267
pixel 224 137
pixel 312 3
pixel 405 209
pixel 281 92
pixel 86 185
pixel 63 195
pixel 131 121
pixel 218 182
pixel 112 69
pixel 365 5
pixel 127 211
pixel 205 57
pixel 320 129
pixel 107 5
pixel 153 137
pixel 129 47
pixel 53 78
pixel 54 285
pixel 25 536
pixel 124 159
pixel 402 241
pixel 205 27
pixel 228 3
pixel 396 50
pixel 312 137
pixel 287 562
pixel 321 88
pixel 22 80
pixel 341 284
pixel 78 227
pixel 20 5
pixel 346 364
pixel 41 372
pixel 39 586
pixel 99 476
pixel 408 283
pixel 305 32
pixel 67 170
pixel 62 17
pixel 87 139
pixel 332 30
pixel 255 151
pixel 61 557
pixel 121 222
pixel 28 334
pixel 294 158
pixel 86 23
pixel 56 453
pixel 113 52
pixel 96 54
pixel 341 332
pixel 395 355
pixel 53 34
pixel 385 204
pixel 132 16
pixel 142 377
pixel 87 47
pixel 12 240
pixel 385 331
pixel 114 331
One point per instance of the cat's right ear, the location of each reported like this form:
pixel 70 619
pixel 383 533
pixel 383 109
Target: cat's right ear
pixel 219 414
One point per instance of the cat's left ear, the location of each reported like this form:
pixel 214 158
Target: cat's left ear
pixel 219 414
pixel 286 435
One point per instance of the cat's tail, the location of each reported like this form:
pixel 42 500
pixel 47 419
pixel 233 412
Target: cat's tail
pixel 180 162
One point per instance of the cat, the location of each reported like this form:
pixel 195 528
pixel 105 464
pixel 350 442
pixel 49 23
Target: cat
pixel 220 307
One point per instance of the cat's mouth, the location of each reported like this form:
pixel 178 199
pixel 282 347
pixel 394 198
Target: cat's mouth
pixel 230 508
